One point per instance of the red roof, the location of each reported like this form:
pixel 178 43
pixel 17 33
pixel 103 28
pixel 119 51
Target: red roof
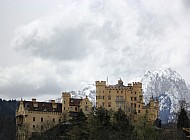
pixel 74 102
pixel 42 106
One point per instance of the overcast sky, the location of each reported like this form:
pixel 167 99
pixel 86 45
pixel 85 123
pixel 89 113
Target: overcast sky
pixel 47 47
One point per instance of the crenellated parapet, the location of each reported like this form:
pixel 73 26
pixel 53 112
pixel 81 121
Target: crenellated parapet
pixel 66 94
pixel 137 84
pixel 100 83
pixel 40 112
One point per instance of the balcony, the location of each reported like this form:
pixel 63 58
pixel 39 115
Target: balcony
pixel 119 100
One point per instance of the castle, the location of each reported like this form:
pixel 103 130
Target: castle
pixel 33 117
pixel 129 98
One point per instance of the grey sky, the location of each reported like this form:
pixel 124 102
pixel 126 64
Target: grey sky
pixel 48 47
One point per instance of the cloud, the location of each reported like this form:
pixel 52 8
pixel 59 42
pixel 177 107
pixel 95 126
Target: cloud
pixel 32 80
pixel 90 40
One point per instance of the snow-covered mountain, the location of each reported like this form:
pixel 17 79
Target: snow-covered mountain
pixel 165 84
pixel 87 91
pixel 169 87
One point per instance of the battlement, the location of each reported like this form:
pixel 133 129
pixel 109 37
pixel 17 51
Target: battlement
pixel 129 84
pixel 66 94
pixel 137 84
pixel 100 83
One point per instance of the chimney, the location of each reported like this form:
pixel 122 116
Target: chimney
pixel 52 101
pixel 35 104
pixel 33 99
pixel 54 105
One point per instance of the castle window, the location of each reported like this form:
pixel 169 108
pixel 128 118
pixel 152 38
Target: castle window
pixel 109 97
pixel 117 97
pixel 117 104
pixel 42 127
pixel 96 97
pixel 102 104
pixel 86 102
pixel 135 92
pixel 121 97
pixel 75 108
pixel 42 120
pixel 53 119
pixel 110 91
pixel 59 120
pixel 33 126
pixel 131 104
pixel 139 111
pixel 117 91
pixel 139 106
pixel 135 105
pixel 64 108
pixel 135 98
pixel 103 97
pixel 34 119
pixel 109 104
pixel 121 92
pixel 131 98
pixel 86 108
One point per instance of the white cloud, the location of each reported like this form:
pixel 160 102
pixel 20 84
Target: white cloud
pixel 88 40
pixel 28 80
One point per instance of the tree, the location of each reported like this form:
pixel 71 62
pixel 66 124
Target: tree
pixel 183 120
pixel 102 117
pixel 79 130
pixel 145 130
pixel 122 126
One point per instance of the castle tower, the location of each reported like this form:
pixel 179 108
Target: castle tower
pixel 120 82
pixel 151 102
pixel 65 101
pixel 100 93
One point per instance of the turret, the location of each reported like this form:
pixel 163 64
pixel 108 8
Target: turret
pixel 157 104
pixel 100 87
pixel 137 84
pixel 120 82
pixel 100 83
pixel 151 102
pixel 65 102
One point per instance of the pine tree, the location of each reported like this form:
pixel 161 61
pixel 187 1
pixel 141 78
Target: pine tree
pixel 79 130
pixel 183 120
pixel 122 126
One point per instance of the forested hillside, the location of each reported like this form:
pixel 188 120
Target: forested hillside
pixel 7 119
